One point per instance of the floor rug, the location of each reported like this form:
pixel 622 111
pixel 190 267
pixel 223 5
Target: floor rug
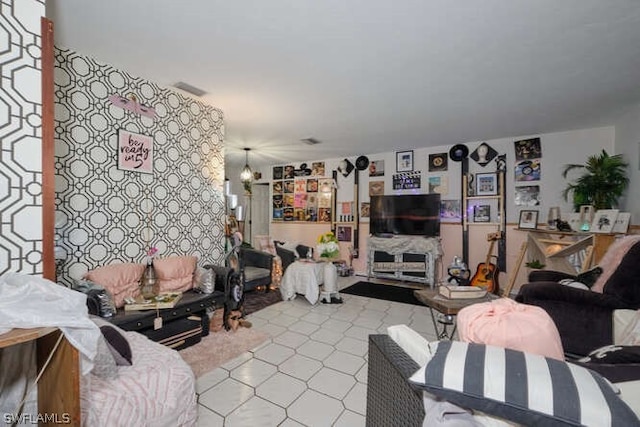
pixel 259 299
pixel 217 348
pixel 385 292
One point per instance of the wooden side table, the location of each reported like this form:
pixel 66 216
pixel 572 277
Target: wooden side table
pixel 59 386
pixel 449 308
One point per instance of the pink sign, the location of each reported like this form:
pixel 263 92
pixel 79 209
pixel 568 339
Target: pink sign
pixel 135 152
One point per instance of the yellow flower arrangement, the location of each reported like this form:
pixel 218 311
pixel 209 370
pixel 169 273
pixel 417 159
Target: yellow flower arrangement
pixel 328 245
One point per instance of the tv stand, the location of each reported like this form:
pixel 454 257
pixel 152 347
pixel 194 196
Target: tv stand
pixel 409 258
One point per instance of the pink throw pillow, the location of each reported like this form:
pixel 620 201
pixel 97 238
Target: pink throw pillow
pixel 175 274
pixel 121 280
pixel 506 323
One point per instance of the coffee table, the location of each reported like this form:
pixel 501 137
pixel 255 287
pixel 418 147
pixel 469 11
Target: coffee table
pixel 448 308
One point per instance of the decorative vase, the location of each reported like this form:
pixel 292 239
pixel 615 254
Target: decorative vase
pixel 148 282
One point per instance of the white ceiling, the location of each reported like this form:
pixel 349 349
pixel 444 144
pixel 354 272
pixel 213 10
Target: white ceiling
pixel 368 76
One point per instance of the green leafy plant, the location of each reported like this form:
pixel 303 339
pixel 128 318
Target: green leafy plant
pixel 603 182
pixel 535 264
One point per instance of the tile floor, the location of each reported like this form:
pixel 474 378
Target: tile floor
pixel 313 369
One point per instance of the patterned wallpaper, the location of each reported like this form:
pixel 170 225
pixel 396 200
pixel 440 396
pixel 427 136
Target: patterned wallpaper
pixel 20 136
pixel 105 214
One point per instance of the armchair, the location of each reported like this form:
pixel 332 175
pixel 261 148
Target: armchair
pixel 256 267
pixel 584 318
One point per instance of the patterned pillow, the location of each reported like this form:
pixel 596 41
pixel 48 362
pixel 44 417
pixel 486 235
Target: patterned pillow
pixel 521 387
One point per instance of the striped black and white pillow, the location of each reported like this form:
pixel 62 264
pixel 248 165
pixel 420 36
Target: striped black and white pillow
pixel 525 388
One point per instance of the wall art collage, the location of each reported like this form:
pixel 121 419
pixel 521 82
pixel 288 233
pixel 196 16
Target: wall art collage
pixel 302 194
pixel 527 169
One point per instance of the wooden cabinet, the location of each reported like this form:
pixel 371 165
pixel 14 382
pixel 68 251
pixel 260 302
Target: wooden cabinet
pixel 59 385
pixel 569 252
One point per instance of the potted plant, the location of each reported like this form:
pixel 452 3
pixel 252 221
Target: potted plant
pixel 603 182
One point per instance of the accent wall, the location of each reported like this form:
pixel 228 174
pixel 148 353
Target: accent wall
pixel 105 214
pixel 21 137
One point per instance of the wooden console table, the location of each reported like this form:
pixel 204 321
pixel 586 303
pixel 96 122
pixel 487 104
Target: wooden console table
pixel 59 386
pixel 553 248
pixel 410 258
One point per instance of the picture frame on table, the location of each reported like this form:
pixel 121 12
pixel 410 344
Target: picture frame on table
pixel 486 184
pixel 528 220
pixel 621 224
pixel 604 220
pixel 404 161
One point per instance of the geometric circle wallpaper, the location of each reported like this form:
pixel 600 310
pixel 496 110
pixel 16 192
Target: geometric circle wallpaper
pixel 21 137
pixel 107 215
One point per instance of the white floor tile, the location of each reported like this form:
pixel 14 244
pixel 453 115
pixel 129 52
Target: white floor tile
pixel 344 362
pixel 256 412
pixel 360 333
pixel 281 389
pixel 300 367
pixel 317 318
pixel 253 372
pixel 350 419
pixel 315 409
pixel 346 315
pixel 368 322
pixel 336 325
pixel 361 375
pixel 274 353
pixel 327 336
pixel 210 379
pixel 331 382
pixel 208 418
pixel 303 327
pixel 237 361
pixel 315 350
pixel 356 400
pixel 290 423
pixel 271 329
pixel 226 396
pixel 353 346
pixel 291 339
pixel 296 311
pixel 283 320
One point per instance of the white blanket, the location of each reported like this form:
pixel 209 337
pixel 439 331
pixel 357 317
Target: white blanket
pixel 304 278
pixel 31 302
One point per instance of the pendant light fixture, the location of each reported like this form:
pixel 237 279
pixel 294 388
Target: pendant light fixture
pixel 246 176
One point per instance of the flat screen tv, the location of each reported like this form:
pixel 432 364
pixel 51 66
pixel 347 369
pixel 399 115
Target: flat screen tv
pixel 412 215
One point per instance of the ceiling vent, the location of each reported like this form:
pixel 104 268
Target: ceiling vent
pixel 311 141
pixel 190 89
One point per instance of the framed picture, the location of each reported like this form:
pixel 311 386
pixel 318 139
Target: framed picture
pixel 404 161
pixel 486 184
pixel 344 233
pixel 604 220
pixel 438 162
pixel 135 152
pixel 450 211
pixel 481 213
pixel 528 220
pixel 622 223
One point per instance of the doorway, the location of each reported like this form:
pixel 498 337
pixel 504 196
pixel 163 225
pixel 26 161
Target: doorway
pixel 259 220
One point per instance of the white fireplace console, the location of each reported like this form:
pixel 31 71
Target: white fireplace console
pixel 410 258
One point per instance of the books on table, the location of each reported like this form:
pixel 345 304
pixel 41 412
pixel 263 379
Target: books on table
pixel 462 292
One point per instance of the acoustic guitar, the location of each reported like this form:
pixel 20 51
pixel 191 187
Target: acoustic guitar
pixel 486 275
